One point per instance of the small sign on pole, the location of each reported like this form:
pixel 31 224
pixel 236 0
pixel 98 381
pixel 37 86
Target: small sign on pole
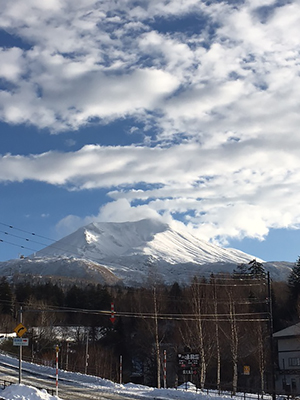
pixel 20 330
pixel 188 363
pixel 20 341
pixel 112 313
pixel 246 370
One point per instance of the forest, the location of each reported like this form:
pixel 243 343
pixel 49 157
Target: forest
pixel 216 331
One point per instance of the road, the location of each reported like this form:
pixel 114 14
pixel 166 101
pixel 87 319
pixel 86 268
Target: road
pixel 68 389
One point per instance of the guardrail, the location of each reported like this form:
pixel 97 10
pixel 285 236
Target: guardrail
pixel 238 395
pixel 241 394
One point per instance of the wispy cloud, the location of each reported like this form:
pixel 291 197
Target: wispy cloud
pixel 229 191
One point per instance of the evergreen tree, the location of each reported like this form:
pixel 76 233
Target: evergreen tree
pixel 241 269
pixel 174 297
pixel 23 291
pixel 256 269
pixel 6 297
pixel 294 280
pixel 49 292
pixel 76 297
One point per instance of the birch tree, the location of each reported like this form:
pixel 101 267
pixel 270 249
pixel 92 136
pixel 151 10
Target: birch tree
pixel 261 356
pixel 234 341
pixel 157 347
pixel 218 348
pixel 197 300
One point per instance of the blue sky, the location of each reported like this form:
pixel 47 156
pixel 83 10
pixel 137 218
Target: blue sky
pixel 187 111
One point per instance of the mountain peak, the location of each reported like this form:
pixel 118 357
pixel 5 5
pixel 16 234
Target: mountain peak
pixel 101 241
pixel 131 252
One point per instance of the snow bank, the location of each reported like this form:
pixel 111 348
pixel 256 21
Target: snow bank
pixel 23 392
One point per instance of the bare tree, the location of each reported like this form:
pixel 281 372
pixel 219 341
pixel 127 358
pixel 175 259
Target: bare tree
pixel 261 356
pixel 197 301
pixel 234 340
pixel 218 348
pixel 157 347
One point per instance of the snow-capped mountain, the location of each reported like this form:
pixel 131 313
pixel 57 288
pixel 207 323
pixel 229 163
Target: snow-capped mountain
pixel 132 253
pixel 108 241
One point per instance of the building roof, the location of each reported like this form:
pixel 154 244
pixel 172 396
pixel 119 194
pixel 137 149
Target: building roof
pixel 293 330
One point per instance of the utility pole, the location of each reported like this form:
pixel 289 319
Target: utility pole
pixel 86 352
pixel 20 347
pixel 165 369
pixel 56 374
pixel 156 338
pixel 271 336
pixel 121 369
pixel 67 355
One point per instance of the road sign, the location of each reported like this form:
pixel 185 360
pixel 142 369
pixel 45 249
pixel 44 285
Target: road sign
pixel 20 330
pixel 189 372
pixel 20 341
pixel 246 370
pixel 188 360
pixel 112 313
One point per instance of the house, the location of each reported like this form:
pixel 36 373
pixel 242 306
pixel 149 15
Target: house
pixel 288 372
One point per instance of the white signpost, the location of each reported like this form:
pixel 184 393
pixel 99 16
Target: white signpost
pixel 20 330
pixel 56 375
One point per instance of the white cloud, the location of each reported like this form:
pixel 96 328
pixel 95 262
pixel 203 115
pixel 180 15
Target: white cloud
pixel 84 65
pixel 226 91
pixel 12 64
pixel 228 191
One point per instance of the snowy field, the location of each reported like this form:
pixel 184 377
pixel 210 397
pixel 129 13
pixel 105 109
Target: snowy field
pixel 88 382
pixel 131 391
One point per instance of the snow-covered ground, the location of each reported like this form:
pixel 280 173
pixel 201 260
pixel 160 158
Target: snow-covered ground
pixel 23 392
pixel 89 382
pixel 138 392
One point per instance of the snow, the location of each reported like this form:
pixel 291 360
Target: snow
pixel 23 392
pixel 130 252
pixel 187 391
pixel 104 241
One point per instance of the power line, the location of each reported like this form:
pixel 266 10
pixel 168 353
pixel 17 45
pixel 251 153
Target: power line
pixel 17 245
pixel 20 237
pixel 33 241
pixel 239 317
pixel 30 233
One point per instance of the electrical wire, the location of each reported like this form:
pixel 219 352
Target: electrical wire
pixel 34 241
pixel 17 245
pixel 20 237
pixel 24 231
pixel 239 317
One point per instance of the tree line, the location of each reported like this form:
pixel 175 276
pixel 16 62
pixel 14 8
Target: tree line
pixel 223 318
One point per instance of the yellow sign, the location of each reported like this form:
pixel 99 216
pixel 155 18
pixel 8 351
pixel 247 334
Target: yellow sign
pixel 246 370
pixel 20 330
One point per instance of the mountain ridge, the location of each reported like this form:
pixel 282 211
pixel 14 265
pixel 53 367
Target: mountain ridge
pixel 102 240
pixel 131 253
